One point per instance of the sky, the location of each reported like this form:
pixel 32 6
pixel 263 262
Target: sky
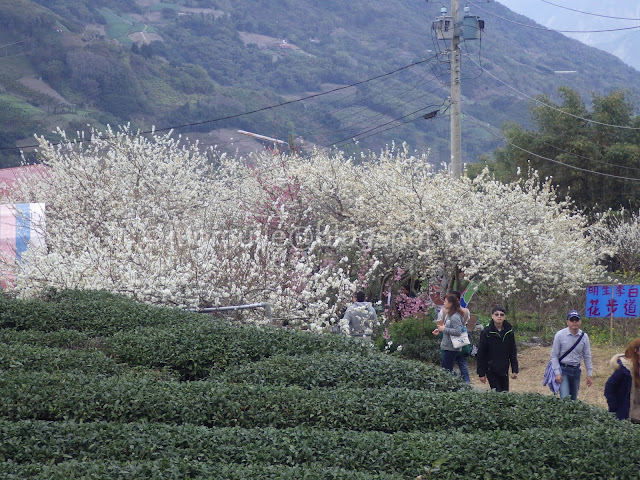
pixel 568 15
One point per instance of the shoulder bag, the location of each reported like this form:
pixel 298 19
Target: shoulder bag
pixel 461 340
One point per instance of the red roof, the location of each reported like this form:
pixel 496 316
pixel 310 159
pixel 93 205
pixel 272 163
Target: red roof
pixel 9 176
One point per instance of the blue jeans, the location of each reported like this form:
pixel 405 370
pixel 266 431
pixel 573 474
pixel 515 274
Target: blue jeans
pixel 462 365
pixel 448 359
pixel 570 382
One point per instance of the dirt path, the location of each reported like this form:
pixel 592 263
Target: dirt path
pixel 533 360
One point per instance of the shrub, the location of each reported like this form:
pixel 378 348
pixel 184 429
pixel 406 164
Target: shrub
pixel 200 344
pixel 344 370
pixel 278 405
pixel 45 448
pixel 61 338
pixel 89 398
pixel 414 335
pixel 92 312
pixel 30 358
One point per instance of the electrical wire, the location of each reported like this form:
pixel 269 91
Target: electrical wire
pixel 394 96
pixel 354 141
pixel 237 115
pixel 625 127
pixel 558 162
pixel 400 102
pixel 341 99
pixel 552 29
pixel 589 13
pixel 384 124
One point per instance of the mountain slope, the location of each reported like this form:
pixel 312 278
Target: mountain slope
pixel 608 25
pixel 193 61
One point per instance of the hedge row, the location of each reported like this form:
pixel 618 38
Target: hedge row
pixel 27 357
pixel 307 371
pixel 341 369
pixel 36 395
pixel 93 312
pixel 179 470
pixel 196 346
pixel 585 451
pixel 59 339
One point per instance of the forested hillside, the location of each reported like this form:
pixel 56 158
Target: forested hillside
pixel 188 64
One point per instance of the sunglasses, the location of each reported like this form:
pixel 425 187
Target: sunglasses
pixel 498 314
pixel 574 319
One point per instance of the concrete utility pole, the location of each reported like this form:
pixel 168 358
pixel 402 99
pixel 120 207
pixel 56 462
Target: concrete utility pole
pixel 456 134
pixel 449 27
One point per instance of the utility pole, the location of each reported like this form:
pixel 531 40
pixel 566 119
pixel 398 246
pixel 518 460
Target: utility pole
pixel 455 108
pixel 449 27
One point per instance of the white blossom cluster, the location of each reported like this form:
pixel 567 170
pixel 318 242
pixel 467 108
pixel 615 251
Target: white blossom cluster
pixel 161 222
pixel 619 234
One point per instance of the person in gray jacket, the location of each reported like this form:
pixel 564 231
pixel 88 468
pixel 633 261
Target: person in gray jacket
pixel 360 315
pixel 450 326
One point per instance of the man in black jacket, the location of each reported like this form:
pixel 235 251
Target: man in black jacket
pixel 497 350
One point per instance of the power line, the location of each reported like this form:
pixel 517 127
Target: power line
pixel 582 156
pixel 375 117
pixel 589 13
pixel 558 162
pixel 354 140
pixel 625 127
pixel 551 29
pixel 237 115
pixel 382 125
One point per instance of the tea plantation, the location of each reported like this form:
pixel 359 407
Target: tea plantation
pixel 96 386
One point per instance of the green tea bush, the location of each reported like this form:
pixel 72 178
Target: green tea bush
pixel 70 339
pixel 344 370
pixel 197 345
pixel 26 357
pixel 410 338
pixel 93 312
pixel 30 445
pixel 35 395
pixel 101 394
pixel 181 469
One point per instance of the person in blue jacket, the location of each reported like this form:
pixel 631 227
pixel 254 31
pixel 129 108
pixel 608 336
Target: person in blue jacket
pixel 497 351
pixel 619 385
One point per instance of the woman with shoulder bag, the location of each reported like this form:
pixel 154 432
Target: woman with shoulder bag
pixel 450 326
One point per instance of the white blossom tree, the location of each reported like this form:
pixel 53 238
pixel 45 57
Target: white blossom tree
pixel 619 234
pixel 155 219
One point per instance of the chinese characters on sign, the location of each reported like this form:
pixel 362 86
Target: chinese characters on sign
pixel 613 301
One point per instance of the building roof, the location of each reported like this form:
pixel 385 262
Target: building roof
pixel 10 176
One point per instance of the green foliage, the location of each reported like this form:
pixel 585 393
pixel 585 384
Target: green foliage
pixel 63 338
pixel 16 112
pixel 576 145
pixel 330 370
pixel 414 335
pixel 28 358
pixel 66 396
pixel 119 26
pixel 303 453
pixel 91 388
pixel 97 313
pixel 200 347
pixel 178 469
